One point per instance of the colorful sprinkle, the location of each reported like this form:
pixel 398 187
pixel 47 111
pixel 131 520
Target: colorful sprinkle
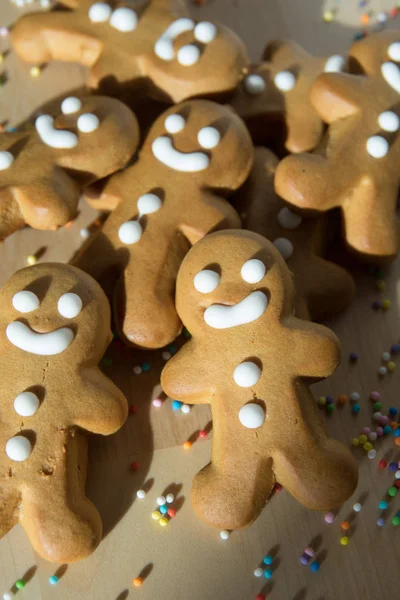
pixel 141 494
pixel 380 522
pixel 357 507
pixel 344 540
pixel 53 580
pixel 329 518
pixel 268 573
pixel 20 584
pixel 315 566
pixel 224 534
pixel 137 582
pixel 176 404
pixel 268 560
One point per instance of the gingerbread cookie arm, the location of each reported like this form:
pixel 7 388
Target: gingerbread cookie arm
pixel 104 270
pixel 211 214
pixel 337 95
pixel 316 349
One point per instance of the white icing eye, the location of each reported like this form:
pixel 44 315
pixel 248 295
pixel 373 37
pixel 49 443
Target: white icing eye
pixel 188 55
pixel 394 51
pixel 391 75
pixel 209 137
pixel 99 12
pixel 6 160
pixel 285 81
pixel 124 19
pixel 389 121
pixel 334 64
pixel 284 246
pixel 174 123
pixel 206 281
pixel 88 123
pixel 18 448
pixel 377 146
pixel 130 232
pixel 253 270
pixel 25 301
pixel 148 203
pixel 254 84
pixel 252 415
pixel 205 32
pixel 70 105
pixel 69 305
pixel 26 404
pixel 288 219
pixel 247 374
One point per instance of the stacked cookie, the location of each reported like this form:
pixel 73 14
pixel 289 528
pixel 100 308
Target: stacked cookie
pixel 203 231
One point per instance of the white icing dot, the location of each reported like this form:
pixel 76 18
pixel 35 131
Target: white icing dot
pixel 70 105
pixel 334 64
pixel 99 12
pixel 377 146
pixel 254 84
pixel 174 123
pixel 188 55
pixel 141 494
pixel 391 75
pixel 25 301
pixel 130 232
pixel 88 123
pixel 18 448
pixel 288 219
pixel 389 121
pixel 285 81
pixel 208 137
pixel 206 281
pixel 394 51
pixel 69 305
pixel 247 374
pixel 205 32
pixel 224 534
pixel 284 246
pixel 148 203
pixel 6 160
pixel 252 415
pixel 26 404
pixel 253 271
pixel 124 19
pixel 163 47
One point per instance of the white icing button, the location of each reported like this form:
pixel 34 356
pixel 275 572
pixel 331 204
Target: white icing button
pixel 247 374
pixel 70 105
pixel 43 344
pixel 288 219
pixel 253 271
pixel 251 308
pixel 18 448
pixel 252 416
pixel 394 51
pixel 25 301
pixel 188 55
pixel 124 19
pixel 391 74
pixel 284 246
pixel 206 281
pixel 334 64
pixel 208 137
pixel 99 12
pixel 254 84
pixel 377 146
pixel 148 203
pixel 205 32
pixel 164 45
pixel 130 232
pixel 26 404
pixel 69 305
pixel 88 123
pixel 174 123
pixel 6 160
pixel 55 138
pixel 285 81
pixel 389 121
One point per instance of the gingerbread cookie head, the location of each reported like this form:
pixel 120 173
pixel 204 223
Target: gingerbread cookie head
pixel 43 169
pixel 253 360
pixel 156 46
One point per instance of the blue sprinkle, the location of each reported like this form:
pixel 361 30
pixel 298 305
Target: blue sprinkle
pixel 268 560
pixel 145 366
pixel 329 400
pixel 267 573
pixel 356 408
pixel 387 430
pixel 383 505
pixel 53 579
pixel 393 411
pixel 315 566
pixel 172 349
pixel 393 466
pixel 163 509
pixel 176 405
pixel 396 432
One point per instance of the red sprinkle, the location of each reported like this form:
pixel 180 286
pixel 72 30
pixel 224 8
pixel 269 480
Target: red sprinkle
pixel 382 464
pixel 135 465
pixel 260 597
pixel 203 434
pixel 278 487
pixel 171 512
pixel 397 484
pixel 132 409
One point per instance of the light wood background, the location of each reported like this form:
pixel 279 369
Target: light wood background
pixel 187 558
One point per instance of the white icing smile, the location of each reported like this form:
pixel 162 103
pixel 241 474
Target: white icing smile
pixel 220 316
pixel 164 151
pixel 55 138
pixel 43 344
pixel 188 55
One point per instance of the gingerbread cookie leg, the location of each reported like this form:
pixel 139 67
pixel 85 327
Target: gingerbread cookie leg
pixel 67 527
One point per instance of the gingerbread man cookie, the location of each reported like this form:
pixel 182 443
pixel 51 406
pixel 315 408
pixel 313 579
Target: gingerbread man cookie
pixel 322 287
pixel 43 169
pixel 54 329
pixel 253 360
pixel 158 45
pixel 194 154
pixel 356 166
pixel 273 98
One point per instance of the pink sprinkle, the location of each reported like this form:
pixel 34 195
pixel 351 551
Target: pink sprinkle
pixel 375 396
pixel 366 430
pixel 379 431
pixel 309 552
pixel 384 420
pixel 4 31
pixel 372 436
pixel 329 518
pixel 157 402
pixel 203 434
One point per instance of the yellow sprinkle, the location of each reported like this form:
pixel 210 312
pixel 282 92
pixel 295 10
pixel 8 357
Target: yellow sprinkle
pixel 344 540
pixel 386 304
pixel 328 16
pixel 322 401
pixel 355 442
pixel 187 445
pixel 391 366
pixel 163 521
pixel 35 71
pixel 1 58
pixel 368 446
pixel 380 285
pixel 362 439
pixel 31 260
pixel 155 515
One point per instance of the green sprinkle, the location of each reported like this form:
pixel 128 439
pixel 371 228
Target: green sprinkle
pixel 20 584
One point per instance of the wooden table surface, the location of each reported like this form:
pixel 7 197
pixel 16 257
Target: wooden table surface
pixel 187 558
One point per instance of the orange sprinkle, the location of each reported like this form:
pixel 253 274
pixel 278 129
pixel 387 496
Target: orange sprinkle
pixel 137 582
pixel 68 224
pixel 187 445
pixel 397 441
pixel 342 399
pixel 345 525
pixel 394 425
pixel 364 19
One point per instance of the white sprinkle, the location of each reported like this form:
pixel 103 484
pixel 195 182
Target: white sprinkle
pixel 141 494
pixel 170 498
pixel 381 17
pixel 397 475
pixel 84 233
pixel 157 402
pixel 137 370
pixel 258 572
pixel 376 416
pixel 382 371
pixel 224 534
pixel 357 507
pixel 371 454
pixel 185 408
pixel 161 500
pixel 354 396
pixel 166 355
pixel 386 356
